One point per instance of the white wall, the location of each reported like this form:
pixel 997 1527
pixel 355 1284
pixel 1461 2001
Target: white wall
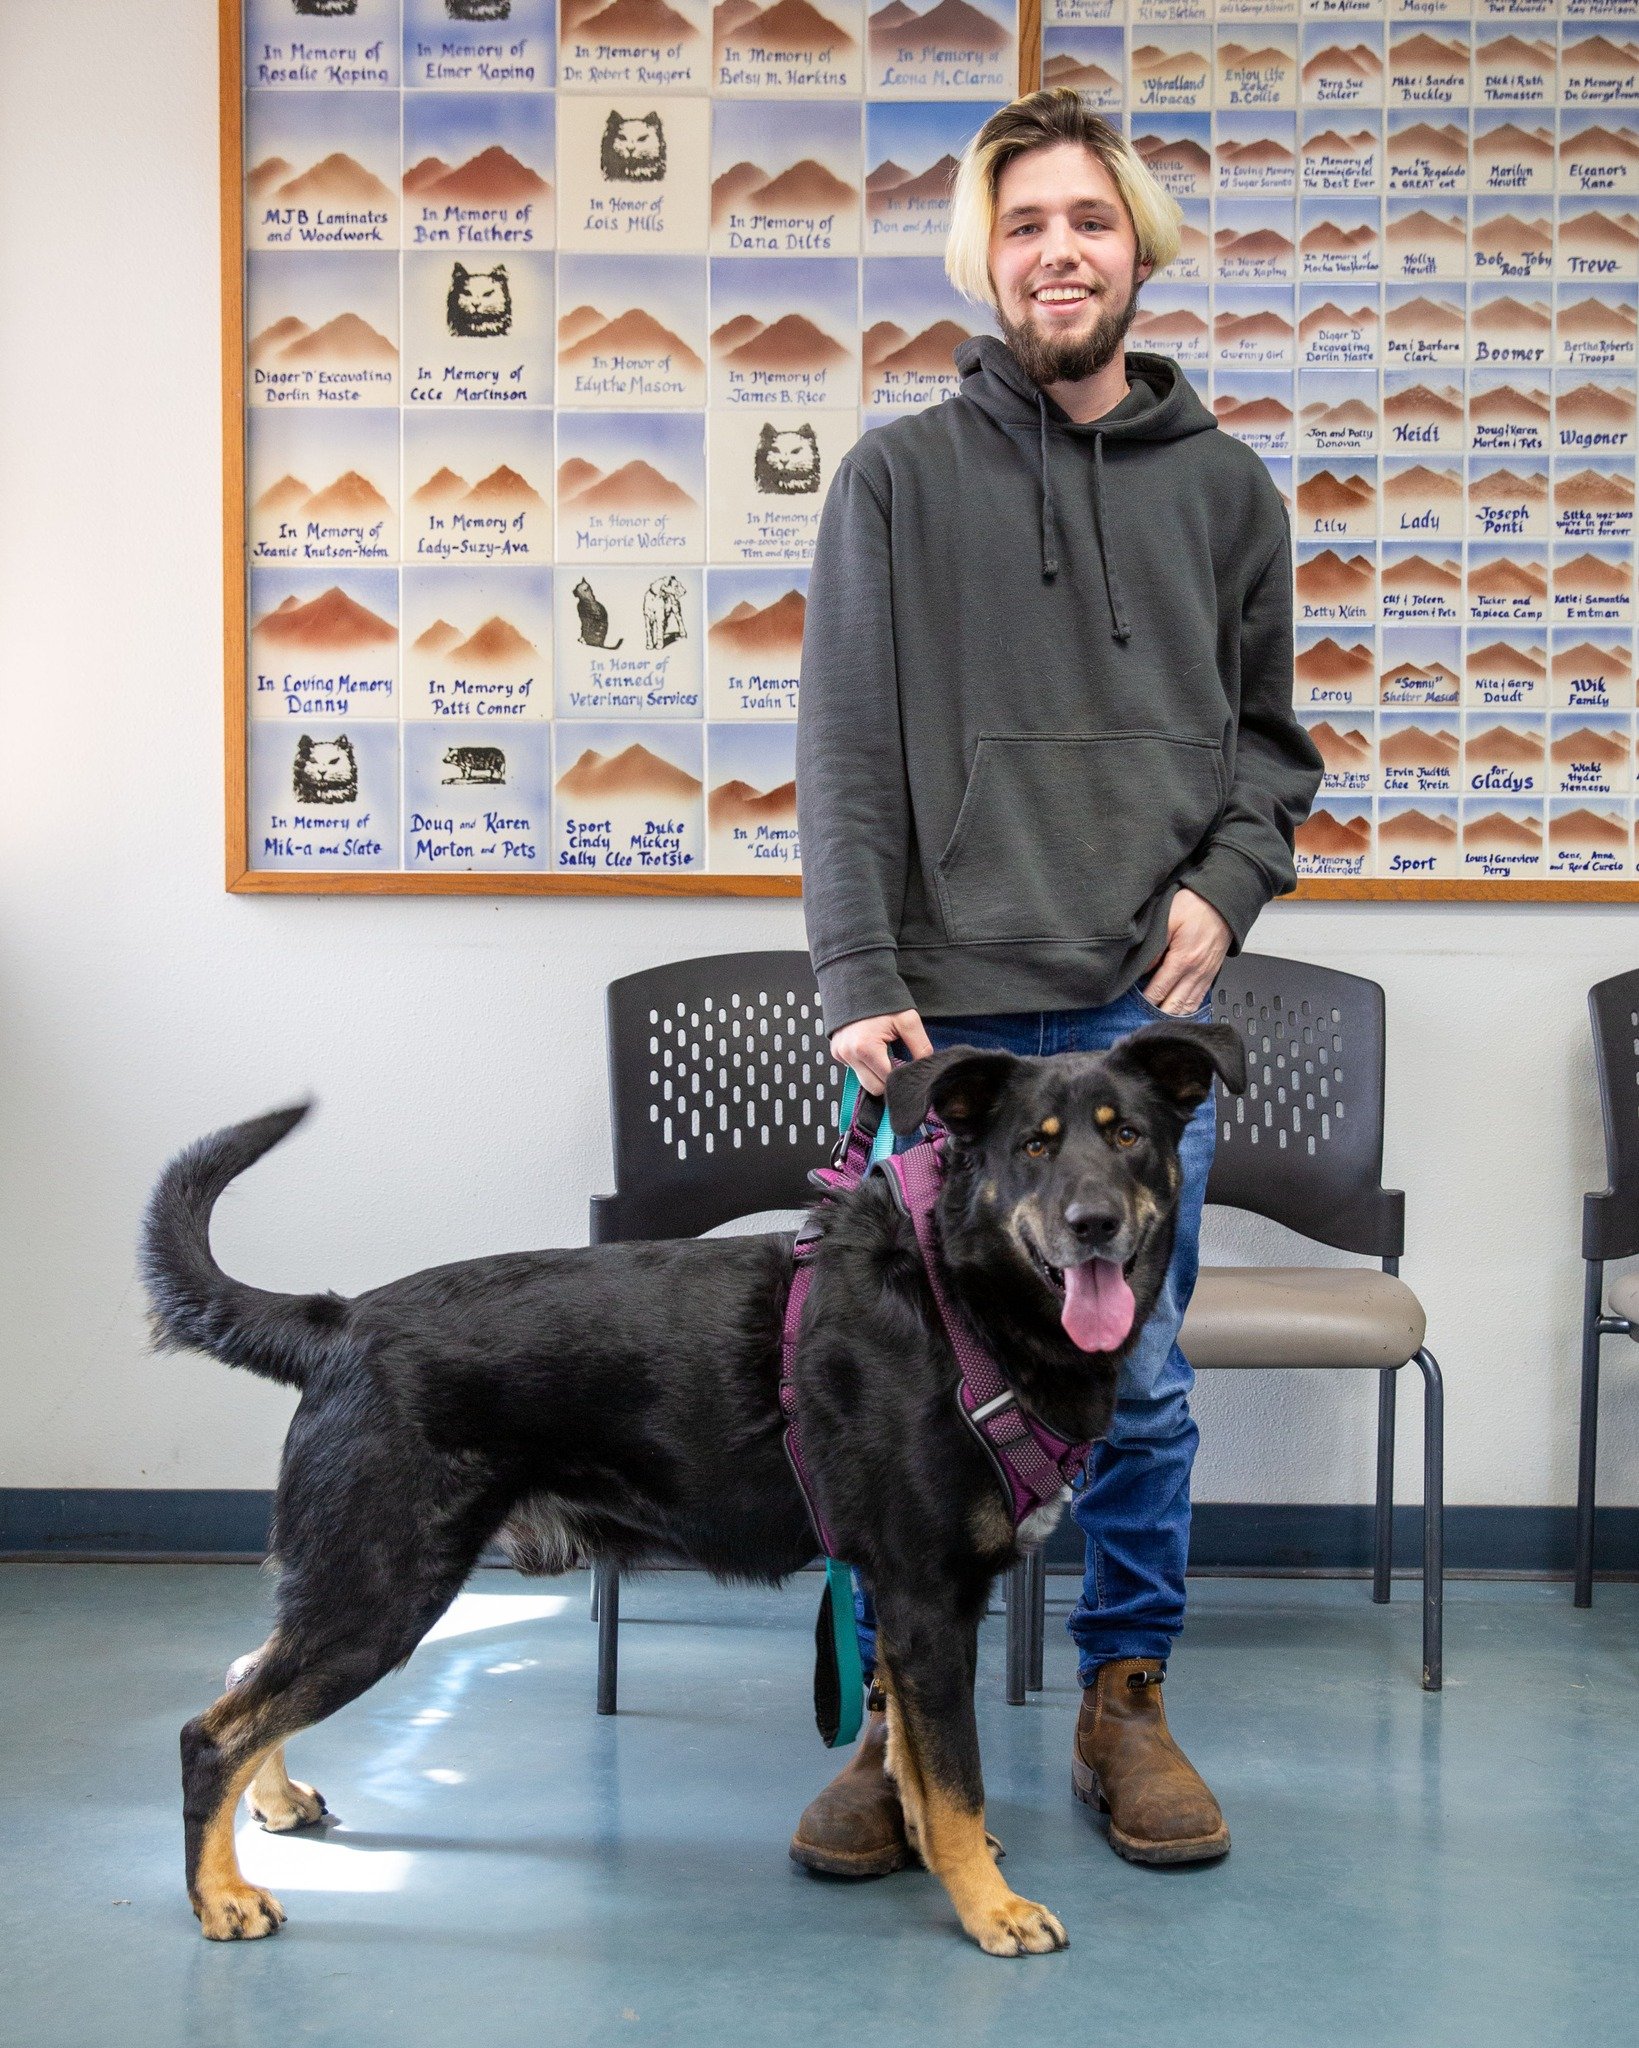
pixel 456 1046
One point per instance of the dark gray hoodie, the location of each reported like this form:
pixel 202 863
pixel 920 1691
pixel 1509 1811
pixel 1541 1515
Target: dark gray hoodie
pixel 1046 679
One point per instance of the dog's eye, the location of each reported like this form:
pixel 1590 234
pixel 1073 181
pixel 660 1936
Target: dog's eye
pixel 1035 1147
pixel 1127 1134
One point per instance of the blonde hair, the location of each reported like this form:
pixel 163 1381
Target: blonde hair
pixel 1041 120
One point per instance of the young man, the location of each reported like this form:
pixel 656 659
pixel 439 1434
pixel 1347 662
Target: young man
pixel 1047 776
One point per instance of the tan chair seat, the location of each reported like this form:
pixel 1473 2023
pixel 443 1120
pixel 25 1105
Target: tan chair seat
pixel 1625 1301
pixel 1251 1316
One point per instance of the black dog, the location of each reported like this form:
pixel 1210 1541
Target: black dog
pixel 622 1403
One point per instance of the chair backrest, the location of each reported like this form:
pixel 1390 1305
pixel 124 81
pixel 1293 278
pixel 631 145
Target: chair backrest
pixel 1304 1145
pixel 722 1094
pixel 1610 1221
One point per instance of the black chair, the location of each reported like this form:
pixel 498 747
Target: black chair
pixel 1610 1230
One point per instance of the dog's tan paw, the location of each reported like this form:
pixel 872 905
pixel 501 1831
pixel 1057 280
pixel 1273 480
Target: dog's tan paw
pixel 1017 1927
pixel 295 1806
pixel 240 1912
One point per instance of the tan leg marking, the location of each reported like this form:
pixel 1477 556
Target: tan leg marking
pixel 229 1909
pixel 281 1802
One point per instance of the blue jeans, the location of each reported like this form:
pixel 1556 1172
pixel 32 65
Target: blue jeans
pixel 1133 1504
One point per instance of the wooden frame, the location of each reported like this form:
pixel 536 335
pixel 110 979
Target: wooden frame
pixel 242 879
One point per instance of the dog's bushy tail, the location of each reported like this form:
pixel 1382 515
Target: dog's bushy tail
pixel 194 1305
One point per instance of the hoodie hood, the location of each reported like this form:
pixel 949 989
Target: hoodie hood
pixel 1161 406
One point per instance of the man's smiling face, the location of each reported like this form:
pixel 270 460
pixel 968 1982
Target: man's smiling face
pixel 1064 261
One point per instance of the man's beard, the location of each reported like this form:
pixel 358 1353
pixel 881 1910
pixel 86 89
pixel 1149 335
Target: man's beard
pixel 1048 359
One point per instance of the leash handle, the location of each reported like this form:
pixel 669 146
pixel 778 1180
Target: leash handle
pixel 853 1111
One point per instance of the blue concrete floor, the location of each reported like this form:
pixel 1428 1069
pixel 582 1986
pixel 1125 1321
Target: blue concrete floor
pixel 507 1868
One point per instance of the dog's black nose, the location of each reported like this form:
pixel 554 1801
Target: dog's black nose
pixel 1093 1223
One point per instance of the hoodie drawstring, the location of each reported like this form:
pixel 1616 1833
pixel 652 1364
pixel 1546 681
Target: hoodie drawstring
pixel 1119 627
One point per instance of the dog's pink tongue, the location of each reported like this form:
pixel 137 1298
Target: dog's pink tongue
pixel 1098 1305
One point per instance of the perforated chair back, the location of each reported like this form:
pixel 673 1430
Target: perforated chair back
pixel 1304 1145
pixel 1610 1221
pixel 722 1094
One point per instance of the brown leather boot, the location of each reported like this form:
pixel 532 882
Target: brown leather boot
pixel 1126 1764
pixel 856 1826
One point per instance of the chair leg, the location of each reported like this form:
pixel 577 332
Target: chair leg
pixel 1433 1523
pixel 1035 1567
pixel 1383 1519
pixel 608 1635
pixel 1018 1635
pixel 593 1605
pixel 1587 1451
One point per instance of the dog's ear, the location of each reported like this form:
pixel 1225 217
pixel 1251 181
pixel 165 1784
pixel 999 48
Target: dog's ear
pixel 1182 1058
pixel 960 1086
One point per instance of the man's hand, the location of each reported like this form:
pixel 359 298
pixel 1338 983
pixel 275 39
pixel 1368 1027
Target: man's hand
pixel 864 1045
pixel 1197 943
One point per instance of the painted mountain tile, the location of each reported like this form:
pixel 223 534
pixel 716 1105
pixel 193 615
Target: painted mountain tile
pixel 1172 321
pixel 1505 757
pixel 1426 154
pixel 751 799
pixel 1424 326
pixel 1347 746
pixel 1342 64
pixel 478 171
pixel 478 646
pixel 323 796
pixel 911 152
pixel 631 487
pixel 477 330
pixel 1193 264
pixel 1593 585
pixel 808 47
pixel 1255 242
pixel 1599 64
pixel 321 170
pixel 628 799
pixel 633 175
pixel 1252 328
pixel 1342 151
pixel 785 179
pixel 1593 415
pixel 1598 153
pixel 1335 840
pixel 1596 241
pixel 1255 155
pixel 1589 841
pixel 754 628
pixel 322 330
pixel 478 805
pixel 1091 60
pixel 1334 585
pixel 952 49
pixel 1422 414
pixel 1340 238
pixel 1507 584
pixel 1419 753
pixel 630 643
pixel 769 474
pixel 1417 839
pixel 1334 668
pixel 1593 500
pixel 1501 840
pixel 1423 497
pixel 1422 583
pixel 1510 672
pixel 339 48
pixel 1596 326
pixel 1590 755
pixel 914 319
pixel 1170 67
pixel 635 46
pixel 479 45
pixel 1338 327
pixel 1428 66
pixel 1508 413
pixel 1510 327
pixel 323 643
pixel 1256 408
pixel 1337 415
pixel 783 332
pixel 1591 671
pixel 1420 667
pixel 477 487
pixel 322 487
pixel 1512 240
pixel 1425 238
pixel 1508 498
pixel 1512 150
pixel 631 331
pixel 1177 150
pixel 1514 66
pixel 1257 69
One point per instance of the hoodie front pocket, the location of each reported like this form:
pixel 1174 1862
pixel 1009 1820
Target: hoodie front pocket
pixel 1062 838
